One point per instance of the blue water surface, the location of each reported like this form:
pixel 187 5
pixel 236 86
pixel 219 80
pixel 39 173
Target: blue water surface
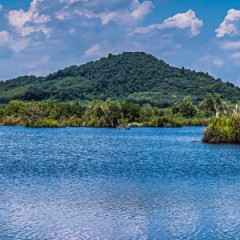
pixel 146 183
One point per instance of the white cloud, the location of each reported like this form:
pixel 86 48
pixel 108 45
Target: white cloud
pixel 184 21
pixel 187 20
pixel 30 21
pixel 62 15
pixel 85 13
pixel 135 12
pixel 17 45
pixel 138 11
pixel 97 50
pixel 92 50
pixel 106 18
pixel 230 24
pixel 1 7
pixel 141 9
pixel 69 2
pixel 4 37
pixel 218 61
pixel 231 45
pixel 212 60
pixel 235 55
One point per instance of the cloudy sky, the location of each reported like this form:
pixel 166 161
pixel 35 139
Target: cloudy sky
pixel 41 36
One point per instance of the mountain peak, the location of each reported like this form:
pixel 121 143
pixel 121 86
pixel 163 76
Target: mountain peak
pixel 133 76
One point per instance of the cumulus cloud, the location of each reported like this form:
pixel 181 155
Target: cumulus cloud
pixel 230 25
pixel 141 9
pixel 187 20
pixel 138 11
pixel 30 21
pixel 69 2
pixel 134 12
pixel 81 20
pixel 62 15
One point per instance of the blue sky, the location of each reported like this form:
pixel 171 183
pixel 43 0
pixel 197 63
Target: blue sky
pixel 41 36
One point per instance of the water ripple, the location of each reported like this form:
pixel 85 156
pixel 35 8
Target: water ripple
pixel 79 183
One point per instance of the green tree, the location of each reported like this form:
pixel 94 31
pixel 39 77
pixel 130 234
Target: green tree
pixel 102 114
pixel 14 108
pixel 185 108
pixel 211 105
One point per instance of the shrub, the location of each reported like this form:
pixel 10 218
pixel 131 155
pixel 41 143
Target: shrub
pixel 44 123
pixel 224 129
pixel 11 121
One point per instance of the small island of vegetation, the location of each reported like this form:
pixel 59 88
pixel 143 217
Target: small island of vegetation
pixel 224 129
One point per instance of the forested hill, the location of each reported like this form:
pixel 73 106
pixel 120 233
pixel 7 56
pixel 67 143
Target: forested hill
pixel 137 77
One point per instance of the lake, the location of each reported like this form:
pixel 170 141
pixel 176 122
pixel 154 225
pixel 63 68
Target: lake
pixel 146 183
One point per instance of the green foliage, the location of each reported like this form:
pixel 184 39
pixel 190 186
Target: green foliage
pixel 11 121
pixel 147 112
pixel 224 129
pixel 74 121
pixel 109 113
pixel 134 77
pixel 15 108
pixel 211 104
pixel 44 123
pixel 102 114
pixel 164 122
pixel 185 108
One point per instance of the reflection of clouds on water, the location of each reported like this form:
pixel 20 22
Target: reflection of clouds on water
pixel 75 213
pixel 102 210
pixel 227 213
pixel 82 210
pixel 183 220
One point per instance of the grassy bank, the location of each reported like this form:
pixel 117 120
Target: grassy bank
pixel 224 129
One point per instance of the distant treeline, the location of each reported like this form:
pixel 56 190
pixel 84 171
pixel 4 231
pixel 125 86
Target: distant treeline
pixel 111 113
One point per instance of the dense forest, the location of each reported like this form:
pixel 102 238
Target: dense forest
pixel 132 77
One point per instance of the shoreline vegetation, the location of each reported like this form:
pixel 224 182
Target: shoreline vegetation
pixel 224 129
pixel 109 114
pixel 223 122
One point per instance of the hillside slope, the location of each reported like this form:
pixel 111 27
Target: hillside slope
pixel 136 77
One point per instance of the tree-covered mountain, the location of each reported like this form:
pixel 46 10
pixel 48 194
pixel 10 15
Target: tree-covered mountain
pixel 136 77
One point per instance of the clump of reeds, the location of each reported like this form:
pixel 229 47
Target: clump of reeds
pixel 224 129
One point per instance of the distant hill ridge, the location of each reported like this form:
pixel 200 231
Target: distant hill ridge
pixel 132 76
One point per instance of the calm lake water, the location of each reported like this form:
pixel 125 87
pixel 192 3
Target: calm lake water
pixel 146 183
